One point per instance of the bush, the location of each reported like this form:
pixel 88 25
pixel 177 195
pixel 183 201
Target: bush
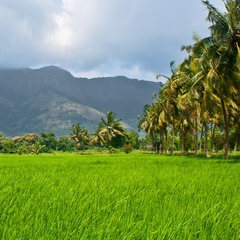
pixel 112 150
pixel 8 146
pixel 127 148
pixel 22 150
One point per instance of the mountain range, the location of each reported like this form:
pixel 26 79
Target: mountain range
pixel 52 99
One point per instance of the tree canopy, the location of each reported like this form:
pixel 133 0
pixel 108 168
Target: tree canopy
pixel 203 91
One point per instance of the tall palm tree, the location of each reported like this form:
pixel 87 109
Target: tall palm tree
pixel 168 95
pixel 220 60
pixel 195 98
pixel 207 80
pixel 148 122
pixel 159 124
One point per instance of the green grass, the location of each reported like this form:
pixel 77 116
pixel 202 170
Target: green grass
pixel 142 196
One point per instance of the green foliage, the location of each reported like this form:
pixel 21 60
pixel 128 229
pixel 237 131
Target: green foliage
pixel 8 146
pixel 132 137
pixel 1 140
pixel 219 141
pixel 118 141
pixel 80 135
pixel 98 138
pixel 22 150
pixel 49 141
pixel 118 197
pixel 112 150
pixel 127 148
pixel 38 147
pixel 29 139
pixel 146 144
pixel 112 130
pixel 202 90
pixel 65 144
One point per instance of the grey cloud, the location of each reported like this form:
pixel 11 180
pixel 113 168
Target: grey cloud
pixel 98 35
pixel 23 26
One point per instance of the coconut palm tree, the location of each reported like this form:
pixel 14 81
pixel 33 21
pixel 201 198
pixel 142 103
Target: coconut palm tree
pixel 168 95
pixel 97 137
pixel 195 97
pixel 38 147
pixel 149 124
pixel 220 61
pixel 208 80
pixel 80 135
pixel 111 127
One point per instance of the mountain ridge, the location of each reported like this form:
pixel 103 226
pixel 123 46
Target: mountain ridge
pixel 52 99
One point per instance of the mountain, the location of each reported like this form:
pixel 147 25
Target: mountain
pixel 51 99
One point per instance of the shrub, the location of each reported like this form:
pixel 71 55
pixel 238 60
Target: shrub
pixel 22 150
pixel 8 146
pixel 127 148
pixel 112 150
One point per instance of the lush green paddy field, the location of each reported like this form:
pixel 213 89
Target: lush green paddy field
pixel 118 197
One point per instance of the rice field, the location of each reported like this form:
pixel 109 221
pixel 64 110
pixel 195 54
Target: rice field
pixel 119 196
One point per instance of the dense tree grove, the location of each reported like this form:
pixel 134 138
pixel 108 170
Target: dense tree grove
pixel 199 104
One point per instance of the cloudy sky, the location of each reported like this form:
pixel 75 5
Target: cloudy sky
pixel 135 38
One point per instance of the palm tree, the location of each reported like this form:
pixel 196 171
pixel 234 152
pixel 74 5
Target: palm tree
pixel 38 147
pixel 220 61
pixel 80 135
pixel 111 127
pixel 208 80
pixel 168 95
pixel 98 138
pixel 145 124
pixel 195 97
pixel 150 123
pixel 180 104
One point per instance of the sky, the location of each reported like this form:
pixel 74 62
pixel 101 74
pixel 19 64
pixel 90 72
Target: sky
pixel 97 38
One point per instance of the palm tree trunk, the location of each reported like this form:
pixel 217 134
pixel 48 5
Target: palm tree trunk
pixel 173 135
pixel 153 144
pixel 77 148
pixel 226 126
pixel 213 138
pixel 206 139
pixel 211 134
pixel 160 145
pixel 83 148
pixel 166 137
pixel 237 137
pixel 235 147
pixel 201 137
pixel 162 141
pixel 99 145
pixel 196 131
pixel 183 136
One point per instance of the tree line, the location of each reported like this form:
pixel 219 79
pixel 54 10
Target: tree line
pixel 199 104
pixel 109 135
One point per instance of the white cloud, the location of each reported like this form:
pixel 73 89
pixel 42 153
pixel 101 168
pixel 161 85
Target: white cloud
pixel 134 72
